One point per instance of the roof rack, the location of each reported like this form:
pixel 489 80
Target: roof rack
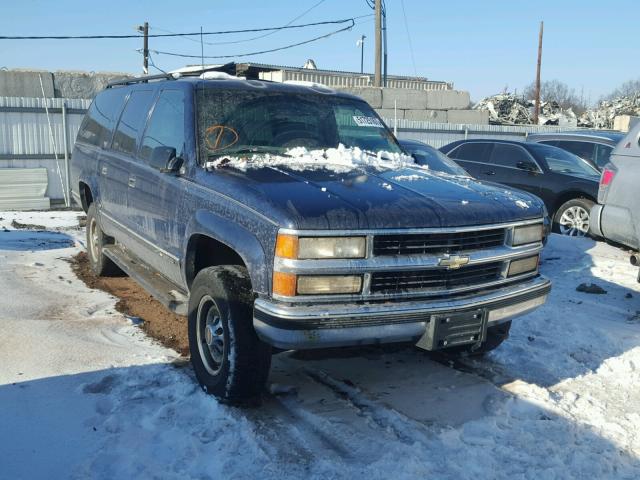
pixel 173 76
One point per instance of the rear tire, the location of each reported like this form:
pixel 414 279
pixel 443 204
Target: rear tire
pixel 228 358
pixel 495 336
pixel 573 218
pixel 101 265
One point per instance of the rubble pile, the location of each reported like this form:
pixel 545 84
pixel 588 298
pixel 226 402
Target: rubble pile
pixel 602 116
pixel 506 109
pixel 553 114
pixel 510 109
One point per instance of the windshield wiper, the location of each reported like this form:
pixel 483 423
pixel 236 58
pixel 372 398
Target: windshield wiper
pixel 249 150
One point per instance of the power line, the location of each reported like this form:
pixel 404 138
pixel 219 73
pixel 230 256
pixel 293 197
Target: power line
pixel 327 35
pixel 234 42
pixel 406 26
pixel 159 35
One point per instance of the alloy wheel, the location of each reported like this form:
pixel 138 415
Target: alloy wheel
pixel 574 222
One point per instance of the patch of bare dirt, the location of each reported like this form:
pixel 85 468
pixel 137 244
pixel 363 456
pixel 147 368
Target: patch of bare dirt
pixel 158 322
pixel 26 226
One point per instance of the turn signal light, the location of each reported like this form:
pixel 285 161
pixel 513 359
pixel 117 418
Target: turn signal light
pixel 284 284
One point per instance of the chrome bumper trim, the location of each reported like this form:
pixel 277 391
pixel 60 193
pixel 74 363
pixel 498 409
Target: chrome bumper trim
pixel 319 326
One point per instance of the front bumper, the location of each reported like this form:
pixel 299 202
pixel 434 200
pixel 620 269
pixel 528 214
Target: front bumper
pixel 318 326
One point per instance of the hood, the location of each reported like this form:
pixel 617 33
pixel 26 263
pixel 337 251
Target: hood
pixel 370 198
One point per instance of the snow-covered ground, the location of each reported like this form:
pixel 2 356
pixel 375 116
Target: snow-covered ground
pixel 84 393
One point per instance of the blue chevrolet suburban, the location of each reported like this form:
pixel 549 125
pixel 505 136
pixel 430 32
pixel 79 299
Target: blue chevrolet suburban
pixel 192 186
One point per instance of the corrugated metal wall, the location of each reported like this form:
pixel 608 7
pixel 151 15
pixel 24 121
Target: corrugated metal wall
pixel 440 134
pixel 25 141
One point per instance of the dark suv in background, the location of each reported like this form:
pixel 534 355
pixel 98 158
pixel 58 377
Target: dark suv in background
pixel 594 146
pixel 567 184
pixel 287 216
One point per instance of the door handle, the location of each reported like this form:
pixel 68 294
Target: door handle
pixel 132 182
pixel 104 170
pixel 491 172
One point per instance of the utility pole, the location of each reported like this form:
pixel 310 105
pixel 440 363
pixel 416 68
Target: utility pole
pixel 361 44
pixel 384 38
pixel 536 112
pixel 378 73
pixel 144 29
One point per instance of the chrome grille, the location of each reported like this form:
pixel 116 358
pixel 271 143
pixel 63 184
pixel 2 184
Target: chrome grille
pixel 437 243
pixel 435 279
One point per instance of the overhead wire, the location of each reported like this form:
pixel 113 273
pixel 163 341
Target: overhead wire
pixel 161 35
pixel 233 42
pixel 285 47
pixel 406 26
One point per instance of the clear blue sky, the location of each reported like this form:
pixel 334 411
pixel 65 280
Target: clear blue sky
pixel 481 46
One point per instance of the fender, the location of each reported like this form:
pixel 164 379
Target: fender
pixel 242 241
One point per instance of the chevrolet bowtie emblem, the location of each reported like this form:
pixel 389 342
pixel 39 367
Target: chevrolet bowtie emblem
pixel 453 262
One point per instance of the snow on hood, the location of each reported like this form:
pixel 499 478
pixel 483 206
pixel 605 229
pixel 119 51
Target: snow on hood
pixel 340 160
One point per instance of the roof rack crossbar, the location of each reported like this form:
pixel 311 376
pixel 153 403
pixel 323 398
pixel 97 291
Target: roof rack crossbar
pixel 171 76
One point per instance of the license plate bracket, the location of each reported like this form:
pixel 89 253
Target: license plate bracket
pixel 455 329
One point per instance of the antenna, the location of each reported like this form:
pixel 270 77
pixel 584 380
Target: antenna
pixel 201 49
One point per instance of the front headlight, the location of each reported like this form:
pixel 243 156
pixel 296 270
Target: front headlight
pixel 308 248
pixel 290 284
pixel 329 284
pixel 527 234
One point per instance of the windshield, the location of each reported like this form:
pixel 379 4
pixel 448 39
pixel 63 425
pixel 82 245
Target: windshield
pixel 561 161
pixel 239 121
pixel 432 158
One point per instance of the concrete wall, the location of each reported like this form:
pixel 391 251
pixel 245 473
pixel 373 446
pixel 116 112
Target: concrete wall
pixel 440 106
pixel 69 84
pixel 60 84
pixel 26 83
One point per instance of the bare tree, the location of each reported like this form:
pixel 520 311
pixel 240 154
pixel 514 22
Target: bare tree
pixel 627 89
pixel 557 91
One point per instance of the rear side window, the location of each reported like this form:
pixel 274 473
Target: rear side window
pixel 97 126
pixel 166 127
pixel 508 155
pixel 476 152
pixel 132 121
pixel 602 154
pixel 582 149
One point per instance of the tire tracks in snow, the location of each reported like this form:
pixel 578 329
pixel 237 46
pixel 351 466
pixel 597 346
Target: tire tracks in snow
pixel 384 418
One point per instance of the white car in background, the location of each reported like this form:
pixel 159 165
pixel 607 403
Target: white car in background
pixel 616 216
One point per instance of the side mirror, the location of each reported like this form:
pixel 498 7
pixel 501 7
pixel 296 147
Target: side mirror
pixel 527 166
pixel 165 160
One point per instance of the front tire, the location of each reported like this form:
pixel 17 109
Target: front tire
pixel 573 218
pixel 227 356
pixel 101 265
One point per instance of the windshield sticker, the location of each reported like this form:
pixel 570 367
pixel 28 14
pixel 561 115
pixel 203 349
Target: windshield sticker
pixel 363 121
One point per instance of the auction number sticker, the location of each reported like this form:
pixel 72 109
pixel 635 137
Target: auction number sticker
pixel 363 121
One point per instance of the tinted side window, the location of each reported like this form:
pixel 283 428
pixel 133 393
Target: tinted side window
pixel 166 128
pixel 98 124
pixel 553 143
pixel 508 155
pixel 477 152
pixel 132 121
pixel 602 154
pixel 582 149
